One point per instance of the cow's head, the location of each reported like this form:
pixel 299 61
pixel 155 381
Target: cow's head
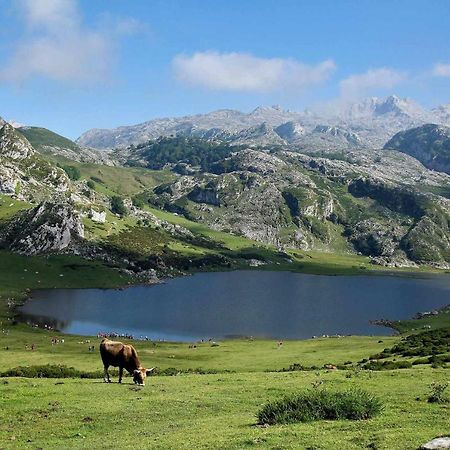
pixel 139 375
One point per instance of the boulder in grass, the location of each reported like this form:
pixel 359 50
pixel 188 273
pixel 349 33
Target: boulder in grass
pixel 440 443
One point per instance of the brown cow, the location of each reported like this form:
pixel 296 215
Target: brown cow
pixel 121 355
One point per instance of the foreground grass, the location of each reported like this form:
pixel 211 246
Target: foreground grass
pixel 211 411
pixel 208 411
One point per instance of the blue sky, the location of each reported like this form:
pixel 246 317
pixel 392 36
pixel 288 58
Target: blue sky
pixel 71 65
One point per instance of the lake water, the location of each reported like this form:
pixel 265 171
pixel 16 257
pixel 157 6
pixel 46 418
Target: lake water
pixel 279 305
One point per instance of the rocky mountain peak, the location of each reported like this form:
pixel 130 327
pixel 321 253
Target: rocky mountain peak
pixel 442 113
pixel 13 144
pixel 398 106
pixel 373 107
pixel 265 109
pixel 374 119
pixel 290 130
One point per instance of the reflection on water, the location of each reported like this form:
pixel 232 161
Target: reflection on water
pixel 43 321
pixel 261 304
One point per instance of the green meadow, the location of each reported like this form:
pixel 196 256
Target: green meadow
pixel 218 410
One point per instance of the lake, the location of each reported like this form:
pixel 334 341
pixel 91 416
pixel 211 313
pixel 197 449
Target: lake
pixel 281 305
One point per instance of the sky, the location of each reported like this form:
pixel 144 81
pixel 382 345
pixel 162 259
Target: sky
pixel 72 65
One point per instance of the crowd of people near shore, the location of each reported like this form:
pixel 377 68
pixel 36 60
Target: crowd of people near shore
pixel 114 335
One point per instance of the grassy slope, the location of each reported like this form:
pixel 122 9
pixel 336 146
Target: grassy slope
pixel 39 137
pixel 122 180
pixel 9 207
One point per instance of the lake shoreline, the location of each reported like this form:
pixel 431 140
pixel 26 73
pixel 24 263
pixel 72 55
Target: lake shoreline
pixel 251 275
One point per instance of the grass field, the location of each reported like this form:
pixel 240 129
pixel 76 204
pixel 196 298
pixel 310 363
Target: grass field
pixel 209 411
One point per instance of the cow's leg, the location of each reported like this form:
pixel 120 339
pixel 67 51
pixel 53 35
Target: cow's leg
pixel 106 375
pixel 120 374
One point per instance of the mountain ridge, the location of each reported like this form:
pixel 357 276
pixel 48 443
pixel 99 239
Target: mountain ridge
pixel 373 120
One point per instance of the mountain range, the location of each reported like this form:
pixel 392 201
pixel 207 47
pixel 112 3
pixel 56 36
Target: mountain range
pixel 365 124
pixel 229 189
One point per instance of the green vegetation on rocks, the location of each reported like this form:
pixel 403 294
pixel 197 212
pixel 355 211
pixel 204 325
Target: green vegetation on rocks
pixel 118 206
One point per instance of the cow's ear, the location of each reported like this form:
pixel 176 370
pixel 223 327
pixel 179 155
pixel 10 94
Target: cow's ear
pixel 149 371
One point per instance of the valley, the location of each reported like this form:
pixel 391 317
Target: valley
pixel 271 192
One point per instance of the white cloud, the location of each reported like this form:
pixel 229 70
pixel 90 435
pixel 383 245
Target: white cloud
pixel 50 13
pixel 129 26
pixel 245 72
pixel 441 70
pixel 362 84
pixel 57 45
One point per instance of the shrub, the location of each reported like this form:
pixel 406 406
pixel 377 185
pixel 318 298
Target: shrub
pixel 49 371
pixel 320 404
pixel 172 371
pixel 72 172
pixel 421 361
pixel 387 365
pixel 117 206
pixel 296 367
pixel 90 184
pixel 437 393
pixel 60 371
pixel 138 201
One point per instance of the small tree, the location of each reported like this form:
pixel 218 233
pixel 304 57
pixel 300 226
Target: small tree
pixel 72 172
pixel 117 206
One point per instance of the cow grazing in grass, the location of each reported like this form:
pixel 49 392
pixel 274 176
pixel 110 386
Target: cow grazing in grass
pixel 123 356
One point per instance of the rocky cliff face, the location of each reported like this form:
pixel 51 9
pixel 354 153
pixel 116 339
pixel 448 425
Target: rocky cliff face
pixel 358 202
pixel 23 172
pixel 430 144
pixel 46 228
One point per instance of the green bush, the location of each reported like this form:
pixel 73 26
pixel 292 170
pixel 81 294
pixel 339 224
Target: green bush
pixel 172 371
pixel 72 172
pixel 320 405
pixel 90 184
pixel 387 365
pixel 117 206
pixel 296 367
pixel 138 201
pixel 437 393
pixel 49 371
pixel 192 151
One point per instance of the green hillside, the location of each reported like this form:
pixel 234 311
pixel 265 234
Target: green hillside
pixel 41 137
